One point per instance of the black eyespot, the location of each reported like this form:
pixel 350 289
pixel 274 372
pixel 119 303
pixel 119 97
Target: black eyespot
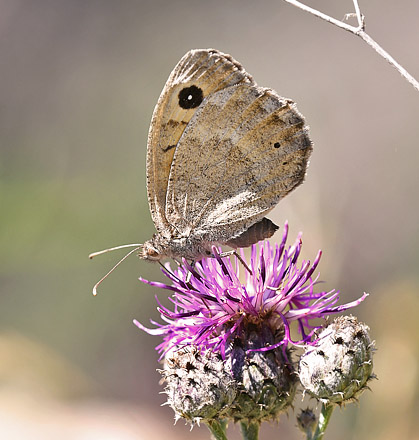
pixel 277 145
pixel 190 97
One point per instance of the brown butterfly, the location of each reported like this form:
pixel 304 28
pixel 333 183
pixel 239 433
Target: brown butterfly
pixel 221 153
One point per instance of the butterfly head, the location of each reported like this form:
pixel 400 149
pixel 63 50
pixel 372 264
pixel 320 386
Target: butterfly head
pixel 150 251
pixel 161 246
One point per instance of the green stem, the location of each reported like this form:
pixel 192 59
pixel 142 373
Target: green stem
pixel 324 418
pixel 250 430
pixel 218 429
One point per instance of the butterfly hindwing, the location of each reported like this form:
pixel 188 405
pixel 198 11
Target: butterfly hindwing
pixel 243 150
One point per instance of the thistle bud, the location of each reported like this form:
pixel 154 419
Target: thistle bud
pixel 266 380
pixel 306 420
pixel 198 387
pixel 337 368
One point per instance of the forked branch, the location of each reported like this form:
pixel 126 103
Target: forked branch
pixel 360 32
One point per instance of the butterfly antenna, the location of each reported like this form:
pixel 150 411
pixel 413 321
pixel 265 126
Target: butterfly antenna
pixel 116 265
pixel 95 254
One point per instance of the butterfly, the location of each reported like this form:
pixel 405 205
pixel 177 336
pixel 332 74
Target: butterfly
pixel 221 153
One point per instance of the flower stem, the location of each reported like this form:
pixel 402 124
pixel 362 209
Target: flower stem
pixel 250 430
pixel 218 429
pixel 324 418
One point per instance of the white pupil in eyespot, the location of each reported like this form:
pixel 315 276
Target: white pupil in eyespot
pixel 189 97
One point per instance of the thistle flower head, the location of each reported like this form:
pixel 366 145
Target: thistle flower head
pixel 212 307
pixel 238 331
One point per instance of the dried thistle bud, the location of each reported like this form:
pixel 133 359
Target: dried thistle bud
pixel 306 420
pixel 266 380
pixel 337 368
pixel 198 386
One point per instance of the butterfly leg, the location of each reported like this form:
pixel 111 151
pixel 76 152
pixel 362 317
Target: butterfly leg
pixel 237 255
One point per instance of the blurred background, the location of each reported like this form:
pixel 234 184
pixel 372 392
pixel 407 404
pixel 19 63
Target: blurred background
pixel 79 81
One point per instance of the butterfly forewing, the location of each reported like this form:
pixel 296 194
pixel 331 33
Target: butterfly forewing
pixel 198 74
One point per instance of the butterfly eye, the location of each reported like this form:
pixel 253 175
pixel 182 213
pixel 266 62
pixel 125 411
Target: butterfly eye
pixel 152 254
pixel 149 252
pixel 190 97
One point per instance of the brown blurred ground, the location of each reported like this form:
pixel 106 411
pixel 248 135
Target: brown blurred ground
pixel 79 81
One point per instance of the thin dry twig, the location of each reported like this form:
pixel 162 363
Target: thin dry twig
pixel 360 32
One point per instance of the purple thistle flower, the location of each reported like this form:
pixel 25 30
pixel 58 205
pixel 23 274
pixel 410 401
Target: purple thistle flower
pixel 212 306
